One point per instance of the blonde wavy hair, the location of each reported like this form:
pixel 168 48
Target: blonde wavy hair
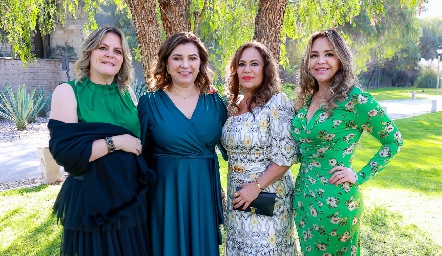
pixel 125 77
pixel 160 79
pixel 345 79
pixel 270 85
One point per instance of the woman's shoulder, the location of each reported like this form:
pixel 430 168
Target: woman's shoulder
pixel 281 98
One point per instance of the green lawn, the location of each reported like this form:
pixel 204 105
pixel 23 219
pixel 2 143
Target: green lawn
pixel 386 93
pixel 402 204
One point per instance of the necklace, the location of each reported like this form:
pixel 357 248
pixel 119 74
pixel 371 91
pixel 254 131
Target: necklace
pixel 179 96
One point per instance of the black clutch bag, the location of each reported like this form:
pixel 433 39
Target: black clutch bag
pixel 263 204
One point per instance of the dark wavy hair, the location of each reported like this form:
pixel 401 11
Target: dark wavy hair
pixel 160 79
pixel 270 84
pixel 125 76
pixel 345 79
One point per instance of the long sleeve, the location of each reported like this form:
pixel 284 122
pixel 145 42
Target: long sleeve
pixel 374 120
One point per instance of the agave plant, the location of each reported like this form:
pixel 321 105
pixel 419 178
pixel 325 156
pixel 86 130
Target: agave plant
pixel 139 89
pixel 18 107
pixel 42 109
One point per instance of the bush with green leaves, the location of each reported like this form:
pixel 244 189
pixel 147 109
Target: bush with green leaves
pixel 19 107
pixel 139 89
pixel 45 103
pixel 427 78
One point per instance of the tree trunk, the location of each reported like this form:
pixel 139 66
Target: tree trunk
pixel 175 16
pixel 268 23
pixel 371 78
pixel 148 31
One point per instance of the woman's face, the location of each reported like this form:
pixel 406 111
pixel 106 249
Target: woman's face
pixel 183 64
pixel 323 62
pixel 250 70
pixel 107 59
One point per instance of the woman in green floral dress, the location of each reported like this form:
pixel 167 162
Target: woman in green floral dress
pixel 332 114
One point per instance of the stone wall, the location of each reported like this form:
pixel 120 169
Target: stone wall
pixel 46 72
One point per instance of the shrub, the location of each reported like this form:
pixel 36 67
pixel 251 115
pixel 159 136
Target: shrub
pixel 139 89
pixel 427 78
pixel 18 107
pixel 45 103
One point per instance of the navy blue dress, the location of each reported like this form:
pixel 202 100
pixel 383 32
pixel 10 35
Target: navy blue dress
pixel 185 203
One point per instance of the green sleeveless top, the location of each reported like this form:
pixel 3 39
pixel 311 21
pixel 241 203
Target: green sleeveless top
pixel 106 104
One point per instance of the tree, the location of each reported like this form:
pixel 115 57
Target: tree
pixel 224 24
pixel 431 37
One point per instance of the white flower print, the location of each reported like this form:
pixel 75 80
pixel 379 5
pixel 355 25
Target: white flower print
pixel 332 162
pixel 373 164
pixel 332 201
pixel 333 233
pixel 302 224
pixel 362 99
pixel 373 112
pixel 336 123
pixel 308 248
pixel 313 212
pixel 296 130
pixel 312 193
pixel 389 128
pixel 344 237
pixel 352 206
pixel 346 186
pixel 335 220
pixel 398 136
pixel 311 180
pixel 315 226
pixel 322 117
pixel 329 137
pixel 321 247
pixel 350 105
pixel 385 152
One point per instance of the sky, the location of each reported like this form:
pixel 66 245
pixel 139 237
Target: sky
pixel 434 9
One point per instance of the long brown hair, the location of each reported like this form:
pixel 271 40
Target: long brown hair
pixel 270 84
pixel 345 79
pixel 160 79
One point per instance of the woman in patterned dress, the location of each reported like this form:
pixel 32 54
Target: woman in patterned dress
pixel 260 149
pixel 332 114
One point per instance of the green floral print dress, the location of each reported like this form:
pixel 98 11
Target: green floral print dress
pixel 328 216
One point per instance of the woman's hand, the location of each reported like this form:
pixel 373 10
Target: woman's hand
pixel 243 197
pixel 127 143
pixel 342 174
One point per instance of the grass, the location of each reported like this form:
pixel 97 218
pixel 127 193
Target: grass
pixel 385 93
pixel 402 203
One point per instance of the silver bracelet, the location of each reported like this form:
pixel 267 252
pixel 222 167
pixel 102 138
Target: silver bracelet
pixel 110 144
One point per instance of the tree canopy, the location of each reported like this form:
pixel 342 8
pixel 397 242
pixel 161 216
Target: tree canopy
pixel 377 30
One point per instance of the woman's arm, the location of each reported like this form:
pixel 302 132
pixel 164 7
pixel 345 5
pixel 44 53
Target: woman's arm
pixel 64 108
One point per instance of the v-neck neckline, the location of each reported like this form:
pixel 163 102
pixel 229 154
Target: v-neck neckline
pixel 179 110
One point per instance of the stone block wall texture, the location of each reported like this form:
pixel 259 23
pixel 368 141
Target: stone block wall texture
pixel 46 72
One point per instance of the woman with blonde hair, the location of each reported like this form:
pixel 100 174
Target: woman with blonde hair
pixel 332 114
pixel 95 132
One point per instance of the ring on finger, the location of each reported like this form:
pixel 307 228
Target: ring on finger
pixel 236 194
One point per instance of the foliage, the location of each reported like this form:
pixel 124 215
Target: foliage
pixel 45 103
pixel 139 89
pixel 21 19
pixel 431 37
pixel 227 25
pixel 21 107
pixel 427 78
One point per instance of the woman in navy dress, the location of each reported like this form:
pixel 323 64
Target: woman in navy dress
pixel 181 120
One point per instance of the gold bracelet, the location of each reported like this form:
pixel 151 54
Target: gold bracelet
pixel 259 186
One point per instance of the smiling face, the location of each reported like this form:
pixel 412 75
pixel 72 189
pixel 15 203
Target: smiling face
pixel 250 70
pixel 106 59
pixel 323 61
pixel 183 64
